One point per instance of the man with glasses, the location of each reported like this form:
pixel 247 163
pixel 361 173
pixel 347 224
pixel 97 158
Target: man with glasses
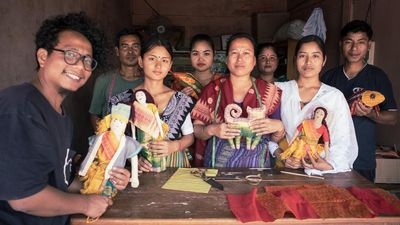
pixel 127 76
pixel 36 135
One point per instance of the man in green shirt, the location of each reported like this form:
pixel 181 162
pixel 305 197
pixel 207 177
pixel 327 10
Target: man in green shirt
pixel 127 76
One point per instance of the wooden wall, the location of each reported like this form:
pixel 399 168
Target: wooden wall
pixel 19 21
pixel 212 17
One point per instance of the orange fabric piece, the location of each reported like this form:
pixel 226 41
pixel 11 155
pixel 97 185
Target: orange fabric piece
pixel 109 145
pixel 274 205
pixel 326 200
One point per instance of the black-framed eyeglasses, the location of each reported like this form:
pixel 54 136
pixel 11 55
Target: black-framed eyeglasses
pixel 72 57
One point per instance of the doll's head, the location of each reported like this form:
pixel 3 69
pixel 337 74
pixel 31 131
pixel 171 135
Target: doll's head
pixel 320 113
pixel 140 97
pixel 143 96
pixel 119 118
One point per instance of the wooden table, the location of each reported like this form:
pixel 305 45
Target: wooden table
pixel 149 204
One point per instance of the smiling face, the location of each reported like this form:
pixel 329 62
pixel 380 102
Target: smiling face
pixel 241 59
pixel 202 56
pixel 355 46
pixel 310 60
pixel 156 63
pixel 55 72
pixel 128 50
pixel 267 61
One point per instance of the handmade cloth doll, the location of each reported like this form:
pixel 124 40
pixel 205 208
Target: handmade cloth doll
pixel 110 148
pixel 150 127
pixel 307 136
pixel 232 115
pixel 368 98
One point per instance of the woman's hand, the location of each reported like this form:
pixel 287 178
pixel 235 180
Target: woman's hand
pixel 226 130
pixel 266 126
pixel 119 177
pixel 162 148
pixel 144 165
pixel 319 164
pixel 187 91
pixel 293 163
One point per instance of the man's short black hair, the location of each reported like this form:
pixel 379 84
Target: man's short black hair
pixel 48 33
pixel 356 26
pixel 127 31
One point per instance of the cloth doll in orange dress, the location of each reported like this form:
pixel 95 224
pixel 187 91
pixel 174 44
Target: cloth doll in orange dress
pixel 110 148
pixel 307 136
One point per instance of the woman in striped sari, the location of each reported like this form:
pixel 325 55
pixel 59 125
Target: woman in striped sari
pixel 174 107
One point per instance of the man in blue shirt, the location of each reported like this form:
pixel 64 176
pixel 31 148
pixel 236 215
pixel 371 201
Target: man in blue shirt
pixel 355 76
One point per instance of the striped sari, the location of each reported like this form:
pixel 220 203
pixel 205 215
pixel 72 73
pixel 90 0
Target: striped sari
pixel 174 114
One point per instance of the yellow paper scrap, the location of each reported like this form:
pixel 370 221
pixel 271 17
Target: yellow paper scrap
pixel 211 172
pixel 183 180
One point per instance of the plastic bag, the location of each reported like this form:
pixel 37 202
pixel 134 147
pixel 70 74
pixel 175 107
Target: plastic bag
pixel 315 24
pixel 290 30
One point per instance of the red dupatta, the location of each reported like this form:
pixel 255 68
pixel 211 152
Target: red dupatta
pixel 205 106
pixel 219 93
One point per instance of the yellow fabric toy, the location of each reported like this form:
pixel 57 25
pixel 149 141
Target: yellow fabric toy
pixel 110 148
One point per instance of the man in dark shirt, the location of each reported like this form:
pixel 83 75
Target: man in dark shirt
pixel 36 157
pixel 355 76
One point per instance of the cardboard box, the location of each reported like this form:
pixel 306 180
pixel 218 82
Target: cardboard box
pixel 387 171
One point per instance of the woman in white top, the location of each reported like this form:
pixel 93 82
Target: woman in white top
pixel 302 96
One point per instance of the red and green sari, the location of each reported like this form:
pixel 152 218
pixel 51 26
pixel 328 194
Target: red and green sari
pixel 209 110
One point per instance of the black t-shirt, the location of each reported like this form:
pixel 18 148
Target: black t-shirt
pixel 35 151
pixel 369 78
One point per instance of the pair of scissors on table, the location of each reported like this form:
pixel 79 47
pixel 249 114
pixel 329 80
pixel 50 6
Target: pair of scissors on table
pixel 202 174
pixel 252 179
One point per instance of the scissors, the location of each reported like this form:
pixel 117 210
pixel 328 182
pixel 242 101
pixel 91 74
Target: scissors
pixel 253 179
pixel 202 174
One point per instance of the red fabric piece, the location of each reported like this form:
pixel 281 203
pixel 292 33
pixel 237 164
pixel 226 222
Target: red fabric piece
pixel 376 202
pixel 300 207
pixel 325 200
pixel 247 209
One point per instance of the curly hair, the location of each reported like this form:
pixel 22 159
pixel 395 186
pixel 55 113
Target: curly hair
pixel 48 33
